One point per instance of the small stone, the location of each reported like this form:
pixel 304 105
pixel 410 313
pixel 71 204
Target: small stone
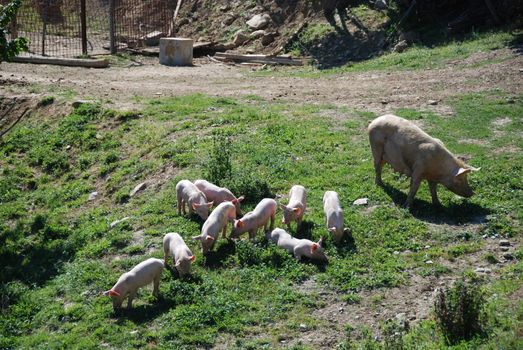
pixel 427 247
pixel 380 5
pixel 267 39
pixel 68 147
pixel 140 187
pixel 504 243
pixel 257 34
pixel 508 256
pixel 303 327
pixel 92 196
pixel 412 317
pixel 432 102
pixel 396 252
pixel 487 270
pixel 361 201
pixel 429 262
pixel 114 223
pixel 240 38
pixel 259 21
pixel 401 46
pixel 133 332
pixel 504 249
pixel 340 310
pixel 480 270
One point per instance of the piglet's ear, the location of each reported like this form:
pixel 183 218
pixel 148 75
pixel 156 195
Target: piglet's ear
pixel 113 293
pixel 314 247
pixel 241 198
pixel 332 229
pixel 462 171
pixel 297 211
pixel 234 201
pixel 192 258
pixel 197 238
pixel 209 204
pixel 239 224
pixel 209 238
pixel 195 206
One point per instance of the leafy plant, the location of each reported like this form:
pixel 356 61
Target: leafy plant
pixel 9 48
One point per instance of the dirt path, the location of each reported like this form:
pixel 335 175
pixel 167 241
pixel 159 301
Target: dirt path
pixel 378 91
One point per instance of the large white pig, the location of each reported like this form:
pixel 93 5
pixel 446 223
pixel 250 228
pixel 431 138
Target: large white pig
pixel 298 247
pixel 264 212
pixel 188 193
pixel 295 209
pixel 334 216
pixel 219 195
pixel 216 222
pixel 410 151
pixel 175 247
pixel 148 271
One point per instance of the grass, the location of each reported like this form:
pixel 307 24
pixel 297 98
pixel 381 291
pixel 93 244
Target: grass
pixel 59 252
pixel 418 56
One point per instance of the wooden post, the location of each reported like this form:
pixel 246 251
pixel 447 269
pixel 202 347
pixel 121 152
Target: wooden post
pixel 83 24
pixel 44 32
pixel 112 36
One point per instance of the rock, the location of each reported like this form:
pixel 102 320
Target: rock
pixel 361 201
pixel 487 270
pixel 508 256
pixel 432 102
pixel 257 34
pixel 409 37
pixel 68 147
pixel 140 187
pixel 267 39
pixel 380 5
pixel 259 21
pixel 480 270
pixel 229 19
pixel 427 247
pixel 240 38
pixel 504 243
pixel 114 223
pixel 401 46
pixel 224 8
pixel 504 249
pixel 412 318
pixel 396 252
pixel 153 38
pixel 303 327
pixel 429 262
pixel 92 196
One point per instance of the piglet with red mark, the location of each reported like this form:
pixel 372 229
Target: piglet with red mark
pixel 174 246
pixel 188 193
pixel 219 195
pixel 216 222
pixel 296 208
pixel 148 271
pixel 253 220
pixel 298 247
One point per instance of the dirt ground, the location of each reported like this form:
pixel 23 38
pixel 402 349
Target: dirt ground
pixel 378 91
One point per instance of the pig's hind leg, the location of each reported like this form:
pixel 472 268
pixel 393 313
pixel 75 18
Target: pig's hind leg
pixel 377 149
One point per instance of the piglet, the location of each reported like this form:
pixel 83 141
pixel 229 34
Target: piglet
pixel 298 247
pixel 142 274
pixel 219 194
pixel 216 222
pixel 295 209
pixel 253 220
pixel 334 216
pixel 188 193
pixel 174 246
pixel 410 151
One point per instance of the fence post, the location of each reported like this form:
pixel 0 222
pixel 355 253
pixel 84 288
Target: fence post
pixel 83 25
pixel 112 36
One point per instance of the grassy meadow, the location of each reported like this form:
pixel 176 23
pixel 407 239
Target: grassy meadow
pixel 59 252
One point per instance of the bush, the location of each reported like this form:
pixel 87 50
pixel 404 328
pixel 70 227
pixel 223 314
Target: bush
pixel 9 48
pixel 459 311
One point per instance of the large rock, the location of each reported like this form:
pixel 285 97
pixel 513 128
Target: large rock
pixel 240 38
pixel 259 21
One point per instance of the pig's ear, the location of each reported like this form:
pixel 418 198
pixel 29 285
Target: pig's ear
pixel 332 229
pixel 239 223
pixel 283 206
pixel 314 247
pixel 462 171
pixel 177 264
pixel 209 204
pixel 106 293
pixel 192 258
pixel 197 238
pixel 475 169
pixel 209 238
pixel 195 206
pixel 240 199
pixel 112 293
pixel 297 211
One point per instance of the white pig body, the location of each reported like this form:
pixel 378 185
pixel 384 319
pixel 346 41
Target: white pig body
pixel 295 209
pixel 174 246
pixel 188 194
pixel 216 222
pixel 298 247
pixel 410 151
pixel 334 215
pixel 218 194
pixel 264 212
pixel 148 271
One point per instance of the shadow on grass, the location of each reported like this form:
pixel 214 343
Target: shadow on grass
pixel 453 214
pixel 347 245
pixel 305 230
pixel 217 258
pixel 145 313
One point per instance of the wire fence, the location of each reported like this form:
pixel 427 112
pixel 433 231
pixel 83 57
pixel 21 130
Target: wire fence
pixel 71 28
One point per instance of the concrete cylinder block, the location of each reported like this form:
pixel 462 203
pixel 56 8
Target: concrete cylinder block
pixel 176 51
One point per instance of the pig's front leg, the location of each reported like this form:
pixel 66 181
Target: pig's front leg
pixel 434 194
pixel 415 181
pixel 132 294
pixel 224 233
pixel 273 218
pixel 156 285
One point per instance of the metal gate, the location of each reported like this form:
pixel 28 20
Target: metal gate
pixel 71 28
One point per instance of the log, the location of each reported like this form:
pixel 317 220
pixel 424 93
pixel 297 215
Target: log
pixel 71 62
pixel 264 59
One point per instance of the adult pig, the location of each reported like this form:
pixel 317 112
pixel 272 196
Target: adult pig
pixel 410 151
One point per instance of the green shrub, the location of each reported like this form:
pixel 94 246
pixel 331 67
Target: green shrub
pixel 459 311
pixel 9 48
